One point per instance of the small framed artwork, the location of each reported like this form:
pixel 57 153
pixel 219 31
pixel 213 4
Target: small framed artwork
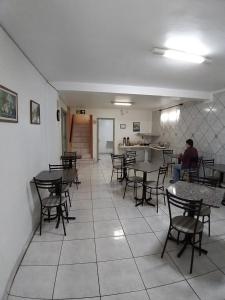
pixel 8 105
pixel 136 126
pixel 122 126
pixel 34 112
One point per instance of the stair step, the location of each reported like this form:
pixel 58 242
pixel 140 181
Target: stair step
pixel 80 139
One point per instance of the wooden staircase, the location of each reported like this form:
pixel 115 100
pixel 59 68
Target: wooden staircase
pixel 81 138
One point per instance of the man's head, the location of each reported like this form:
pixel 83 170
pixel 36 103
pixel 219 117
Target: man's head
pixel 189 143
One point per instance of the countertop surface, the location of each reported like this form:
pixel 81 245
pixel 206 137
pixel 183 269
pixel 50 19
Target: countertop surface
pixel 151 146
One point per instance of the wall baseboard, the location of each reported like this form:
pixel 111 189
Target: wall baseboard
pixel 17 265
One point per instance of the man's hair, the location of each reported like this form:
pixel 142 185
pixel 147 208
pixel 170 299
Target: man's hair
pixel 189 142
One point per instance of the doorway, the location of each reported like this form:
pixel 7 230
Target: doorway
pixel 63 131
pixel 105 137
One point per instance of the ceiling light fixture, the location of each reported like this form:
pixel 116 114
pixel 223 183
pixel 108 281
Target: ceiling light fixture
pixel 123 103
pixel 181 55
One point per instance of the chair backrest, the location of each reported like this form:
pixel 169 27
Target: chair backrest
pixel 54 185
pixel 58 167
pixel 205 163
pixel 69 161
pixel 131 153
pixel 193 174
pixel 167 156
pixel 161 175
pixel 205 181
pixel 68 153
pixel 129 161
pixel 117 159
pixel 192 207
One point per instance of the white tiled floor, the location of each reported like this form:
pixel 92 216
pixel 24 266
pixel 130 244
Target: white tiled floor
pixel 112 251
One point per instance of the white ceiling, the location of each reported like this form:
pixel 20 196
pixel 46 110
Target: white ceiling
pixel 84 100
pixel 110 41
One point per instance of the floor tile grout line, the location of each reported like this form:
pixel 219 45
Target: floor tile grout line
pixel 20 263
pixel 134 258
pixel 144 217
pixel 187 279
pixel 99 290
pixel 178 268
pixel 53 291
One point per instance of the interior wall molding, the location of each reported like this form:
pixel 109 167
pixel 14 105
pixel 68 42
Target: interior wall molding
pixel 129 89
pixel 27 57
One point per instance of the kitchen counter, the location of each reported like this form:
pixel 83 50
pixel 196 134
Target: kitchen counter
pixel 147 149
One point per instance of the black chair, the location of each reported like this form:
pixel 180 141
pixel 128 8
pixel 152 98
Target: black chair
pixel 52 201
pixel 131 153
pixel 189 225
pixel 157 187
pixel 209 163
pixel 65 186
pixel 117 166
pixel 206 210
pixel 71 154
pixel 71 162
pixel 133 180
pixel 168 159
pixel 193 170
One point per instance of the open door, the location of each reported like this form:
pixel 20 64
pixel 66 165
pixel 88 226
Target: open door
pixel 105 137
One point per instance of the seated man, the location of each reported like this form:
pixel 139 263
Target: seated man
pixel 188 160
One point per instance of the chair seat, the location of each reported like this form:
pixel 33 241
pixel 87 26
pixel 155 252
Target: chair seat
pixel 205 211
pixel 186 224
pixel 117 167
pixel 153 184
pixel 65 188
pixel 52 201
pixel 135 179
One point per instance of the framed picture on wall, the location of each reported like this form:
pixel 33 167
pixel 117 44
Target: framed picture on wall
pixel 8 105
pixel 136 126
pixel 122 126
pixel 34 112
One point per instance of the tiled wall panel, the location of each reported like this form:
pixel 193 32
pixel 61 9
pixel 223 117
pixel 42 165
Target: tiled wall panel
pixel 203 122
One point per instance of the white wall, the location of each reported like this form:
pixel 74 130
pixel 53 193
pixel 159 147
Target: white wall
pixel 127 117
pixel 25 150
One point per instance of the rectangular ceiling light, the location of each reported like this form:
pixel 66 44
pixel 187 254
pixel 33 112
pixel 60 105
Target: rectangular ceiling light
pixel 180 55
pixel 123 103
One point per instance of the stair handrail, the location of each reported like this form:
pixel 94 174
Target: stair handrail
pixel 71 128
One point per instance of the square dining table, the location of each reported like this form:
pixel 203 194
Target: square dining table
pixel 145 168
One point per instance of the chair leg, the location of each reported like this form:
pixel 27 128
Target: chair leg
pixel 157 200
pixel 66 211
pixel 135 188
pixel 209 225
pixel 67 194
pixel 125 189
pixel 200 243
pixel 48 215
pixel 164 248
pixel 111 176
pixel 77 180
pixel 192 255
pixel 178 238
pixel 61 214
pixel 58 220
pixel 164 197
pixel 41 221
